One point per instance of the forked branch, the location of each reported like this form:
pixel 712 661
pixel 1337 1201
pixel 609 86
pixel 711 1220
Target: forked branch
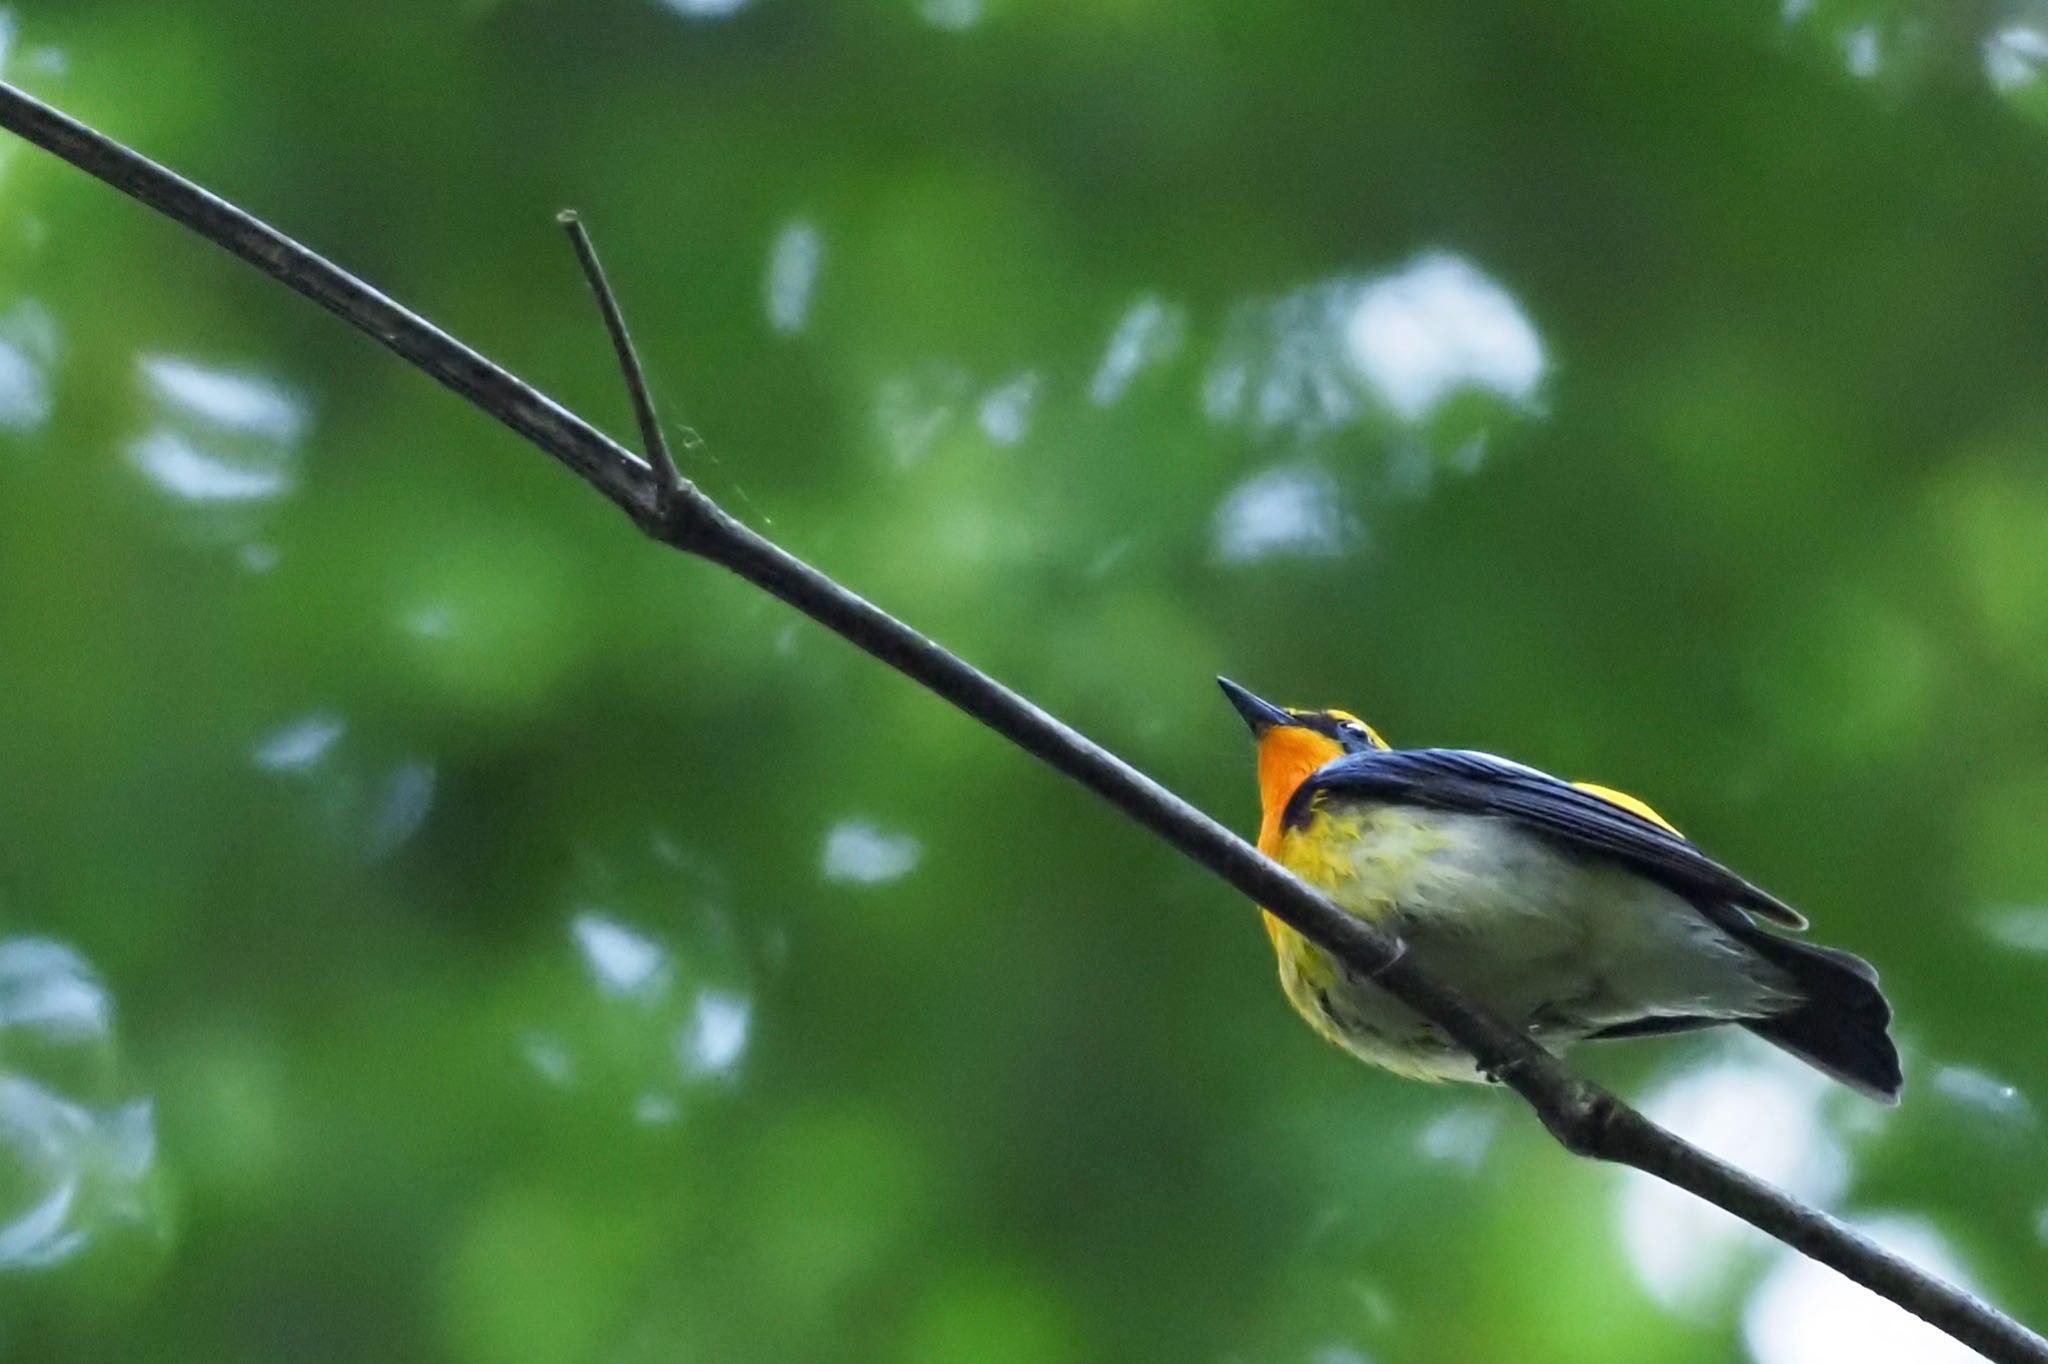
pixel 668 478
pixel 1585 1118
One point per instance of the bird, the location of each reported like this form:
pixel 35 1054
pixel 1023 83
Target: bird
pixel 1574 911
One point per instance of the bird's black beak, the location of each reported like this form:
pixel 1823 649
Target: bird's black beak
pixel 1260 715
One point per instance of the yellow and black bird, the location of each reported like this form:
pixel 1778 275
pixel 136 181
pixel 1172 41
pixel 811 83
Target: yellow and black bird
pixel 1572 910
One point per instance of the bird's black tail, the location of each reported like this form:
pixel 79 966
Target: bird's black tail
pixel 1839 1024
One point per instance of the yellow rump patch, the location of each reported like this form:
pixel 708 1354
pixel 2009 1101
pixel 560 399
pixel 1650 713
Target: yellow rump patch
pixel 1626 802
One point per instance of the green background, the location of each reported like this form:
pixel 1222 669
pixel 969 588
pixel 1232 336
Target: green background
pixel 437 925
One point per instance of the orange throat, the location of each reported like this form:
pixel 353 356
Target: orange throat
pixel 1287 754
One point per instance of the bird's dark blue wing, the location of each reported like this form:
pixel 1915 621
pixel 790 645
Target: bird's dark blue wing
pixel 1556 811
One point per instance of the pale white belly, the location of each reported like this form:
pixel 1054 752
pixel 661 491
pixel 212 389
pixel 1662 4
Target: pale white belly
pixel 1561 946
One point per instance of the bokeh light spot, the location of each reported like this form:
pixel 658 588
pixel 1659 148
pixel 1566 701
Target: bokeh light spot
pixel 1763 1113
pixel 1806 1313
pixel 864 853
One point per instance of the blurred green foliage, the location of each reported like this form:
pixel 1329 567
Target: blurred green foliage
pixel 436 925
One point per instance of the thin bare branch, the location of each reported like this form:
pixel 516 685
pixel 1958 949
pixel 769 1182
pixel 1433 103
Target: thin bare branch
pixel 652 442
pixel 1584 1118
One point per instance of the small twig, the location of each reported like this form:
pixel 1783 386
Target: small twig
pixel 1584 1118
pixel 669 479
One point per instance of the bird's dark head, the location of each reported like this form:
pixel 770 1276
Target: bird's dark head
pixel 1346 731
pixel 1293 743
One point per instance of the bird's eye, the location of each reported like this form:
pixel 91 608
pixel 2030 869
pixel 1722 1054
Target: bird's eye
pixel 1356 736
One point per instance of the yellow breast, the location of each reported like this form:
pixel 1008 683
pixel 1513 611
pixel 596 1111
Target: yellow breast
pixel 1363 857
